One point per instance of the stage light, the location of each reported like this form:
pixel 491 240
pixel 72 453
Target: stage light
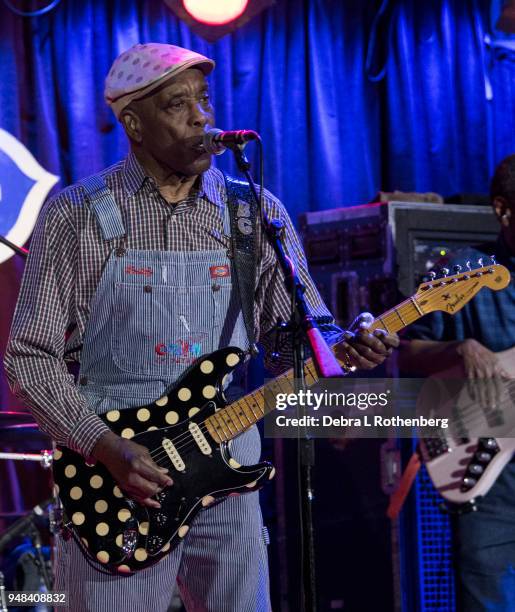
pixel 213 19
pixel 215 13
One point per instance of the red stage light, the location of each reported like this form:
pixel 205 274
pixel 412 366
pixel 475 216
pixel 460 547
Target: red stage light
pixel 215 12
pixel 213 19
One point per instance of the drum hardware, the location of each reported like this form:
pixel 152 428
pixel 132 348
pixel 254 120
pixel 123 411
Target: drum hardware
pixel 3 600
pixel 28 526
pixel 39 559
pixel 25 525
pixel 19 435
pixel 44 457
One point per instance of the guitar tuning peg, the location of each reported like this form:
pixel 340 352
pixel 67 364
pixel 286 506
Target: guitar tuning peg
pixel 432 276
pixel 457 269
pixel 445 271
pixel 480 262
pixel 492 259
pixel 469 267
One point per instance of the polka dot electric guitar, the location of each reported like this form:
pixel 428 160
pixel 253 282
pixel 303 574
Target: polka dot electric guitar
pixel 188 430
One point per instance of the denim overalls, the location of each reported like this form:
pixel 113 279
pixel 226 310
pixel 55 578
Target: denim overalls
pixel 152 315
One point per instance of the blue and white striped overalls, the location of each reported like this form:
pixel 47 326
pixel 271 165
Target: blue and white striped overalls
pixel 152 314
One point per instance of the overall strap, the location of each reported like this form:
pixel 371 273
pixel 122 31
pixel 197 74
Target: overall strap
pixel 243 215
pixel 104 207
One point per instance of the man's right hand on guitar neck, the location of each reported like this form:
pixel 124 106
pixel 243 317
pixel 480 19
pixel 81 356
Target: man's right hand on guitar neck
pixel 131 465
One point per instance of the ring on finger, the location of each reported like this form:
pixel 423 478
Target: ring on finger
pixel 348 367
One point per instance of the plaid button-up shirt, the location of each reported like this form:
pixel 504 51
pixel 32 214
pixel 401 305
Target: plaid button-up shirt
pixel 64 267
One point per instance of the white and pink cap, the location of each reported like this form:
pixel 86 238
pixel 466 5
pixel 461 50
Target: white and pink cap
pixel 142 68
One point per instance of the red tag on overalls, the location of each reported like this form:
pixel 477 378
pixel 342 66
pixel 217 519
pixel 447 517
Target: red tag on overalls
pixel 219 271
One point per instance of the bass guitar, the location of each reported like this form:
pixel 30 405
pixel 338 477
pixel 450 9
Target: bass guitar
pixel 463 466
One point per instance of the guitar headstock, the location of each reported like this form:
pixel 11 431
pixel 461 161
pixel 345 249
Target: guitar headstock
pixel 451 293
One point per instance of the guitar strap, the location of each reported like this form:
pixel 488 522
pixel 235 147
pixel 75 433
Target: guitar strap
pixel 243 214
pixel 398 497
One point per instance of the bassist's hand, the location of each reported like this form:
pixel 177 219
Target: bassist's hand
pixel 483 370
pixel 131 465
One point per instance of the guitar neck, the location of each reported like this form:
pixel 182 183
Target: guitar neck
pixel 232 420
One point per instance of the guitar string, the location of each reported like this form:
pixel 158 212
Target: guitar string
pixel 477 411
pixel 159 454
pixel 475 419
pixel 187 436
pixel 189 439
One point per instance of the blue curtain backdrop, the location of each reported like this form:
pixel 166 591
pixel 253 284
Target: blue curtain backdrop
pixel 305 74
pixel 297 74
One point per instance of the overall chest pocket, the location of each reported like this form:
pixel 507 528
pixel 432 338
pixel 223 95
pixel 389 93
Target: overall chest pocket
pixel 162 330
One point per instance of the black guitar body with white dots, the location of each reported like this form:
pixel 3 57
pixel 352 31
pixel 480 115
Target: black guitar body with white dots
pixel 183 433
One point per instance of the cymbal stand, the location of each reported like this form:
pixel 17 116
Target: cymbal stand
pixel 44 457
pixel 3 600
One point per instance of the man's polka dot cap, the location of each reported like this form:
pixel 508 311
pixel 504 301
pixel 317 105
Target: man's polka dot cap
pixel 142 68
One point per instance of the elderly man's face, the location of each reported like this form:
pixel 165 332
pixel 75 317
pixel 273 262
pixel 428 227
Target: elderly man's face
pixel 173 120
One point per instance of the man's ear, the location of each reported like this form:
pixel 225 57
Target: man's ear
pixel 131 124
pixel 500 206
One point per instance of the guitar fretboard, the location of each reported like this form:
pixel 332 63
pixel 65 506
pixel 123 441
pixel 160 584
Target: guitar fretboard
pixel 234 419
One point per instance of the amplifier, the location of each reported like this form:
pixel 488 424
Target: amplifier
pixel 362 256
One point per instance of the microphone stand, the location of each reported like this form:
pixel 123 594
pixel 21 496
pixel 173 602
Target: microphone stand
pixel 303 327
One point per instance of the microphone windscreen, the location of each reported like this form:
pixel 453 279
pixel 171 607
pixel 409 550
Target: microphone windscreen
pixel 209 143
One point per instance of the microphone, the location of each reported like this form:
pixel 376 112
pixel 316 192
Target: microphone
pixel 216 141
